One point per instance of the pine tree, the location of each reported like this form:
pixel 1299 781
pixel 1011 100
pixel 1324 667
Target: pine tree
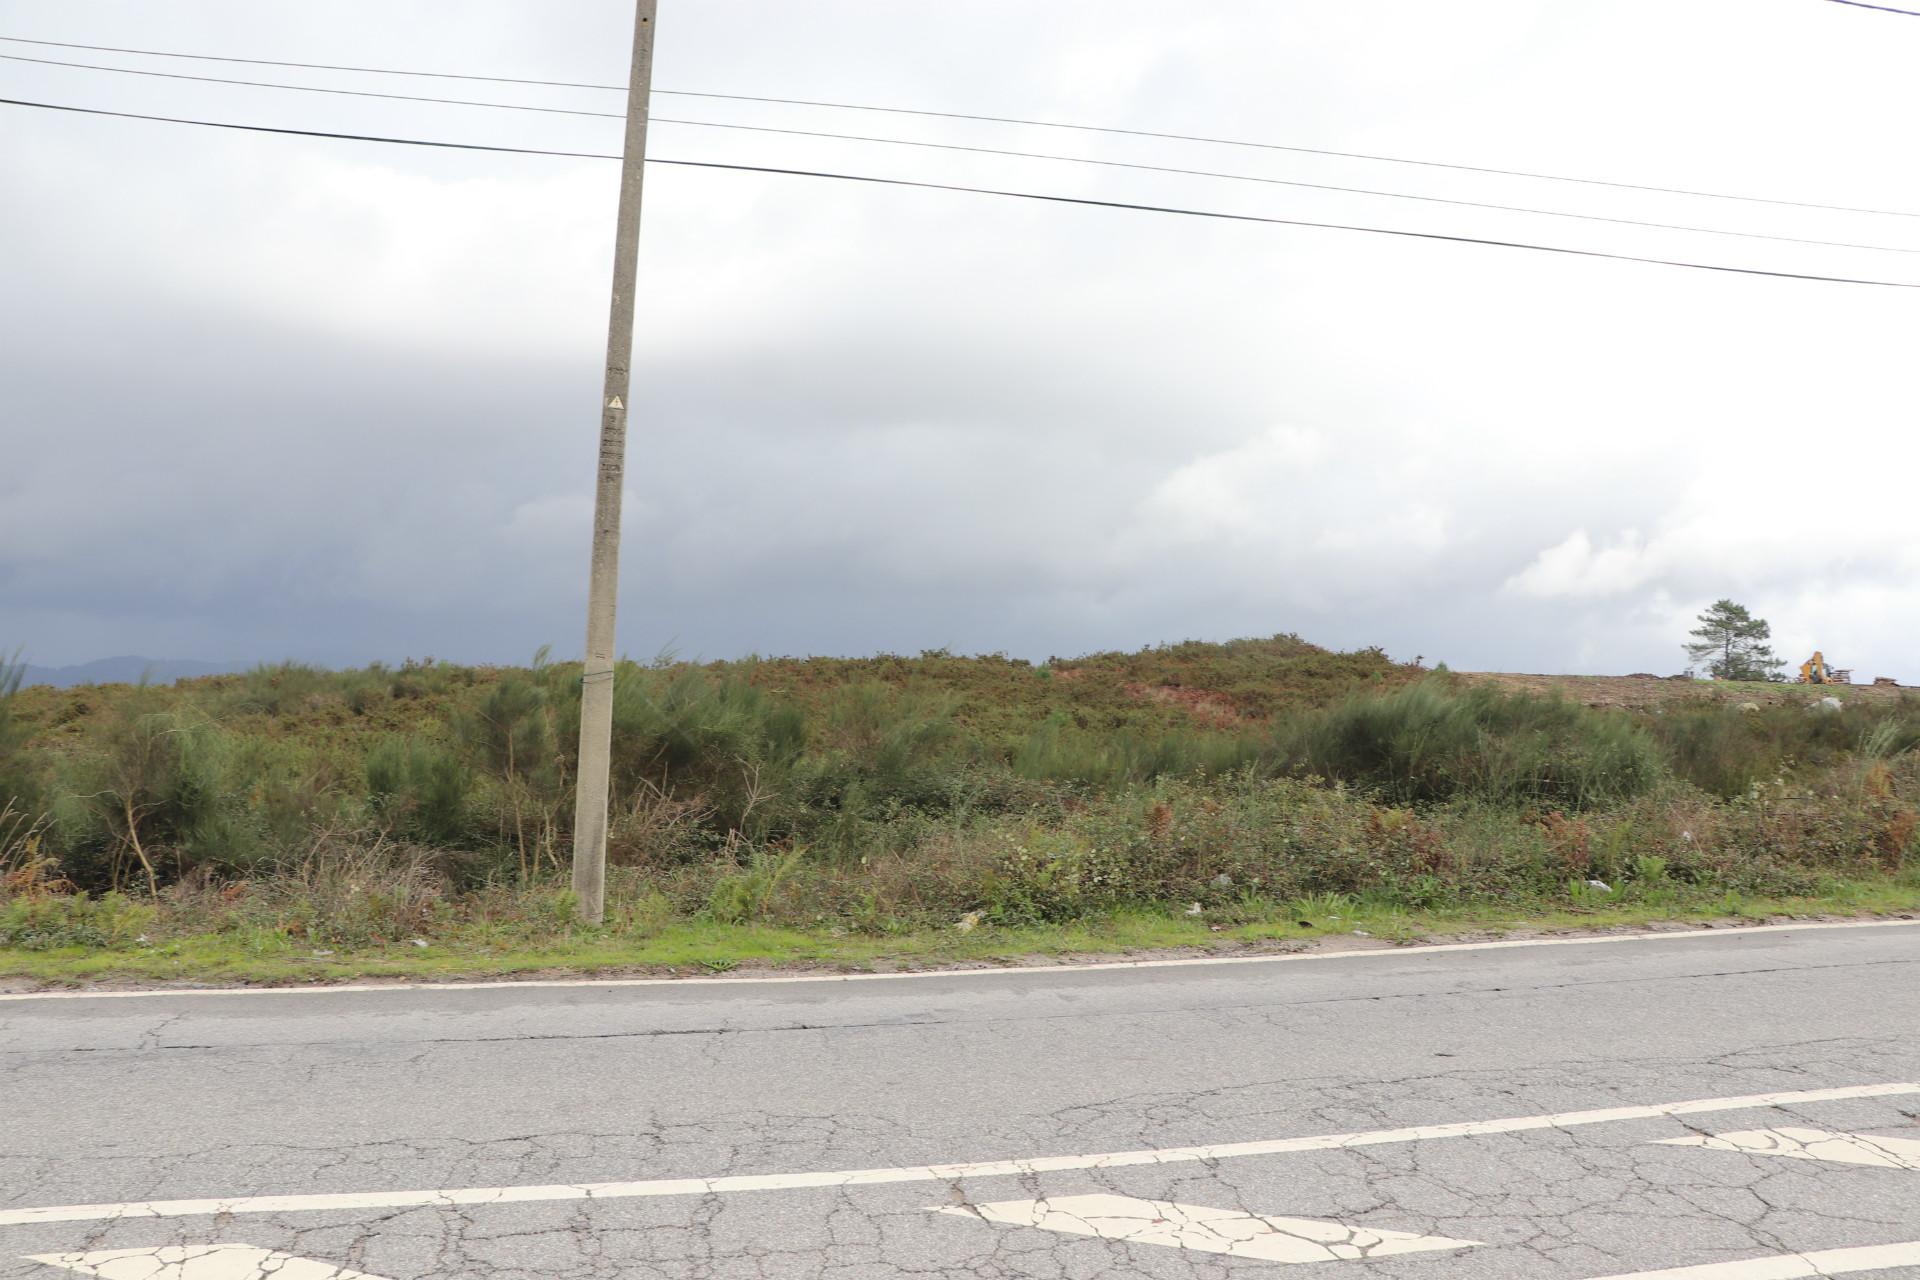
pixel 1733 644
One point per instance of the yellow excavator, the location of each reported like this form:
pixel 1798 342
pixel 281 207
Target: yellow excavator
pixel 1816 671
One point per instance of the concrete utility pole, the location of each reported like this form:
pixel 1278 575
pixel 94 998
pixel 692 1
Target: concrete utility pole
pixel 603 586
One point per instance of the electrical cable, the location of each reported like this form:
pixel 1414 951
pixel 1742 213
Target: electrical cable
pixel 991 119
pixel 988 191
pixel 310 66
pixel 1285 182
pixel 999 151
pixel 307 88
pixel 313 133
pixel 1862 4
pixel 1310 151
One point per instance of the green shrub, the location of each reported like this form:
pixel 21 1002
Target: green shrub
pixel 880 755
pixel 421 790
pixel 20 766
pixel 900 744
pixel 512 732
pixel 1059 752
pixel 424 679
pixel 693 733
pixel 152 791
pixel 1430 742
pixel 1051 875
pixel 279 689
pixel 50 922
pixel 288 794
pixel 743 896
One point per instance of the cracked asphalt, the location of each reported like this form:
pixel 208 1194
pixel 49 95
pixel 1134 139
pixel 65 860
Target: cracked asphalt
pixel 632 1107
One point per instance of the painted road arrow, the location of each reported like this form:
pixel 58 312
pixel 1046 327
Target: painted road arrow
pixel 1196 1227
pixel 198 1262
pixel 1811 1144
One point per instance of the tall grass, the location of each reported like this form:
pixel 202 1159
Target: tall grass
pixel 1727 751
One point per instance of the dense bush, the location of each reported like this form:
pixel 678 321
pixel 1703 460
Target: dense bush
pixel 155 795
pixel 1431 741
pixel 420 790
pixel 1727 750
pixel 19 783
pixel 1237 780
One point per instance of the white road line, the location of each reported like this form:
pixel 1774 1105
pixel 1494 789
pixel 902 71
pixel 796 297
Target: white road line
pixel 1812 1144
pixel 198 1262
pixel 1793 1266
pixel 1203 1230
pixel 1741 931
pixel 920 1173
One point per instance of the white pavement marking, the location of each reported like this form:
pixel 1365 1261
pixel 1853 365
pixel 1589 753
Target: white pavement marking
pixel 1811 1144
pixel 198 1262
pixel 1195 1227
pixel 1674 935
pixel 1793 1266
pixel 922 1173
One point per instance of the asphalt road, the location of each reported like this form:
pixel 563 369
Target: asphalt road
pixel 1743 1104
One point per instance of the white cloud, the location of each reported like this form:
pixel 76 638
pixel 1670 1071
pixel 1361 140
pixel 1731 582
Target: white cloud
pixel 1249 492
pixel 1576 569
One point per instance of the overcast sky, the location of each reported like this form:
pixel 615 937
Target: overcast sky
pixel 267 397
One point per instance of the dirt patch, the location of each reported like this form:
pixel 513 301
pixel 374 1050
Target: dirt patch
pixel 1209 710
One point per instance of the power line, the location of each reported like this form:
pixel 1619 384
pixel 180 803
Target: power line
pixel 1310 151
pixel 312 133
pixel 997 151
pixel 1284 182
pixel 1861 4
pixel 1015 120
pixel 1292 222
pixel 312 66
pixel 307 88
pixel 989 191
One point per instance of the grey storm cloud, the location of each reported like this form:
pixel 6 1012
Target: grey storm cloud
pixel 266 397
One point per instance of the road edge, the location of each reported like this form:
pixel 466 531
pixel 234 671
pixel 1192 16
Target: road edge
pixel 1068 965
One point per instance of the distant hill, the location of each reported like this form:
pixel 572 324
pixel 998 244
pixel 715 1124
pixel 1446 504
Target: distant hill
pixel 127 670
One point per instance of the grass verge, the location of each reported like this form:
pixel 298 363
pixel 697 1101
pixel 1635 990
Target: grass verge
pixel 705 948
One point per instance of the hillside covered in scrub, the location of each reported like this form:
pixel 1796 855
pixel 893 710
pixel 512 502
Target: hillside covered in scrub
pixel 1234 783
